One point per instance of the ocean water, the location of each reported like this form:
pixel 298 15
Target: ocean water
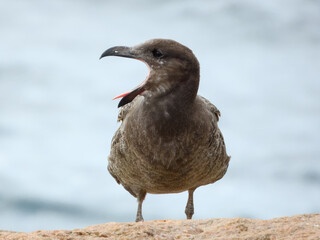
pixel 260 65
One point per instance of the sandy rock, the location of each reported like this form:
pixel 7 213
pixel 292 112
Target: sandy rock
pixel 296 227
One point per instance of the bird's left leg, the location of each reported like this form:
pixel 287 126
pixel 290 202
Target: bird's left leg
pixel 189 208
pixel 142 194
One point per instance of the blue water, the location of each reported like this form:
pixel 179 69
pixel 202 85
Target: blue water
pixel 260 65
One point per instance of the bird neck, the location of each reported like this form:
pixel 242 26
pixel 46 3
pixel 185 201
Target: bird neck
pixel 169 111
pixel 182 95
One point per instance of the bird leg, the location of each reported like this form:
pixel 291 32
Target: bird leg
pixel 140 197
pixel 189 208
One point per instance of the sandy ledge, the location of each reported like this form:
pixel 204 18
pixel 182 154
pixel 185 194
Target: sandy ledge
pixel 305 226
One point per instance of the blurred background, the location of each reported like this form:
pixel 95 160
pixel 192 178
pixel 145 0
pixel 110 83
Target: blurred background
pixel 260 65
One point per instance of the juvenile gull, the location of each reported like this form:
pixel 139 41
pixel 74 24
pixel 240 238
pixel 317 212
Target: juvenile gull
pixel 169 140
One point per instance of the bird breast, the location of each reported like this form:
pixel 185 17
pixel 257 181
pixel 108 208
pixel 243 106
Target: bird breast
pixel 159 158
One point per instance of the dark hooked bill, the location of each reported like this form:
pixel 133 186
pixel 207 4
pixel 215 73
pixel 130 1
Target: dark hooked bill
pixel 122 51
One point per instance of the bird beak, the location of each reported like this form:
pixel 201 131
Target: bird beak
pixel 119 51
pixel 122 51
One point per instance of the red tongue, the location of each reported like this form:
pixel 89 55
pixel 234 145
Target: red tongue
pixel 129 96
pixel 121 95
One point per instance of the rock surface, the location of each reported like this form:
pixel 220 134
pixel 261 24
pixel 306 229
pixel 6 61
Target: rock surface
pixel 296 227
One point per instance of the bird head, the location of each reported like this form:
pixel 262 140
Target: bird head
pixel 170 65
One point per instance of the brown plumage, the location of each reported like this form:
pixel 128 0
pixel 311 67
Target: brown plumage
pixel 169 140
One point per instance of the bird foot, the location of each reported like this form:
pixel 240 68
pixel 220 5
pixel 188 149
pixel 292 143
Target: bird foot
pixel 189 212
pixel 139 219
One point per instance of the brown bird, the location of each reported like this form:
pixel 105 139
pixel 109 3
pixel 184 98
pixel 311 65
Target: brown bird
pixel 169 140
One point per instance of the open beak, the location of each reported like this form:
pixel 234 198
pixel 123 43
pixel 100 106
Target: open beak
pixel 122 51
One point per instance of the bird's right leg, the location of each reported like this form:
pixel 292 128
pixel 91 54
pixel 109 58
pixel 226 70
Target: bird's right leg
pixel 142 194
pixel 189 208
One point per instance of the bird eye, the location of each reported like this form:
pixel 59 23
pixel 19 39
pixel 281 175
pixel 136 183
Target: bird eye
pixel 156 53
